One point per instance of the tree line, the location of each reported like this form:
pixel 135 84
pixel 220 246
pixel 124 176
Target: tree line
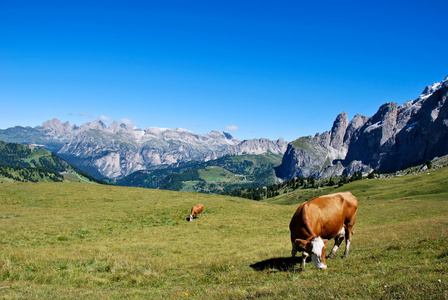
pixel 20 174
pixel 265 192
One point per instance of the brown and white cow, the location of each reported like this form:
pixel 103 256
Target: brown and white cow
pixel 195 210
pixel 320 219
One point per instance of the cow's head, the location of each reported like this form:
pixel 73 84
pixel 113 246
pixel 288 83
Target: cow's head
pixel 191 218
pixel 315 246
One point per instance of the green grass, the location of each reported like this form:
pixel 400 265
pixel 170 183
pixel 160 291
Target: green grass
pixel 299 196
pixel 216 174
pixel 427 185
pixel 72 240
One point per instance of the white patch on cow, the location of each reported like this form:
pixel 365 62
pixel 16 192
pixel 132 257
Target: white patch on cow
pixel 335 248
pixel 317 246
pixel 191 218
pixel 318 262
pixel 347 246
pixel 342 232
pixel 304 256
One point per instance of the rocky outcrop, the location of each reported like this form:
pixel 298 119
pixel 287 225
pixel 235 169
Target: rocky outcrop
pixel 338 131
pixel 375 137
pixel 316 156
pixel 257 146
pixel 396 137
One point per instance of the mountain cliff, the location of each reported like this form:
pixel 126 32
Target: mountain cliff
pixel 396 137
pixel 118 150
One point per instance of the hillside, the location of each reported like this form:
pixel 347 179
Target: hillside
pixel 12 174
pixel 215 176
pixel 398 182
pixel 18 155
pixel 71 240
pixel 29 163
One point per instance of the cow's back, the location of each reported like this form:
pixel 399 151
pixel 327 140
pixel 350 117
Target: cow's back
pixel 351 205
pixel 198 208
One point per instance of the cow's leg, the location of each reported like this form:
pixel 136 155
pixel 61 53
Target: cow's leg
pixel 347 247
pixel 348 240
pixel 337 242
pixel 349 234
pixel 304 257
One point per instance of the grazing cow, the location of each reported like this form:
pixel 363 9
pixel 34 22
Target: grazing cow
pixel 320 219
pixel 195 210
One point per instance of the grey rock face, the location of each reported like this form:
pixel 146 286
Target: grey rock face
pixel 257 146
pixel 396 137
pixel 375 137
pixel 338 131
pixel 357 122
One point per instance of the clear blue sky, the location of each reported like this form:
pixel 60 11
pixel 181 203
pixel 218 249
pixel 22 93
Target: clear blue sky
pixel 253 68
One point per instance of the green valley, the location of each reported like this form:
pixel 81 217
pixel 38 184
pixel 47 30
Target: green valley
pixel 215 176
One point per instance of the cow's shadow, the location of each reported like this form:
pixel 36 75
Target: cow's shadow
pixel 284 264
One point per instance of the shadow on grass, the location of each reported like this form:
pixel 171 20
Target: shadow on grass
pixel 283 264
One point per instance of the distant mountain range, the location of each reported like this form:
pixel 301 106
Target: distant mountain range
pixel 395 138
pixel 118 150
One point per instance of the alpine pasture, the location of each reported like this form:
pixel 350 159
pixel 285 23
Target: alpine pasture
pixel 74 240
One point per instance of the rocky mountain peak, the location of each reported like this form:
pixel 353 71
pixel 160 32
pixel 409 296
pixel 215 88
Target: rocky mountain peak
pixel 338 130
pixel 95 125
pixel 56 128
pixel 357 122
pixel 430 89
pixel 394 138
pixel 116 127
pixel 385 112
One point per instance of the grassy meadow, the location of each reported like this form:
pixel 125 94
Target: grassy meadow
pixel 74 240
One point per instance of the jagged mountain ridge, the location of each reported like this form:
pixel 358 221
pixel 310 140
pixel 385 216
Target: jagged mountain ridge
pixel 395 138
pixel 118 150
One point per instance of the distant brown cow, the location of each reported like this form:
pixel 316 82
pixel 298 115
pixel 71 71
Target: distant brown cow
pixel 195 210
pixel 320 219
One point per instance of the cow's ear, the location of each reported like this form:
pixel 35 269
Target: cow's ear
pixel 301 244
